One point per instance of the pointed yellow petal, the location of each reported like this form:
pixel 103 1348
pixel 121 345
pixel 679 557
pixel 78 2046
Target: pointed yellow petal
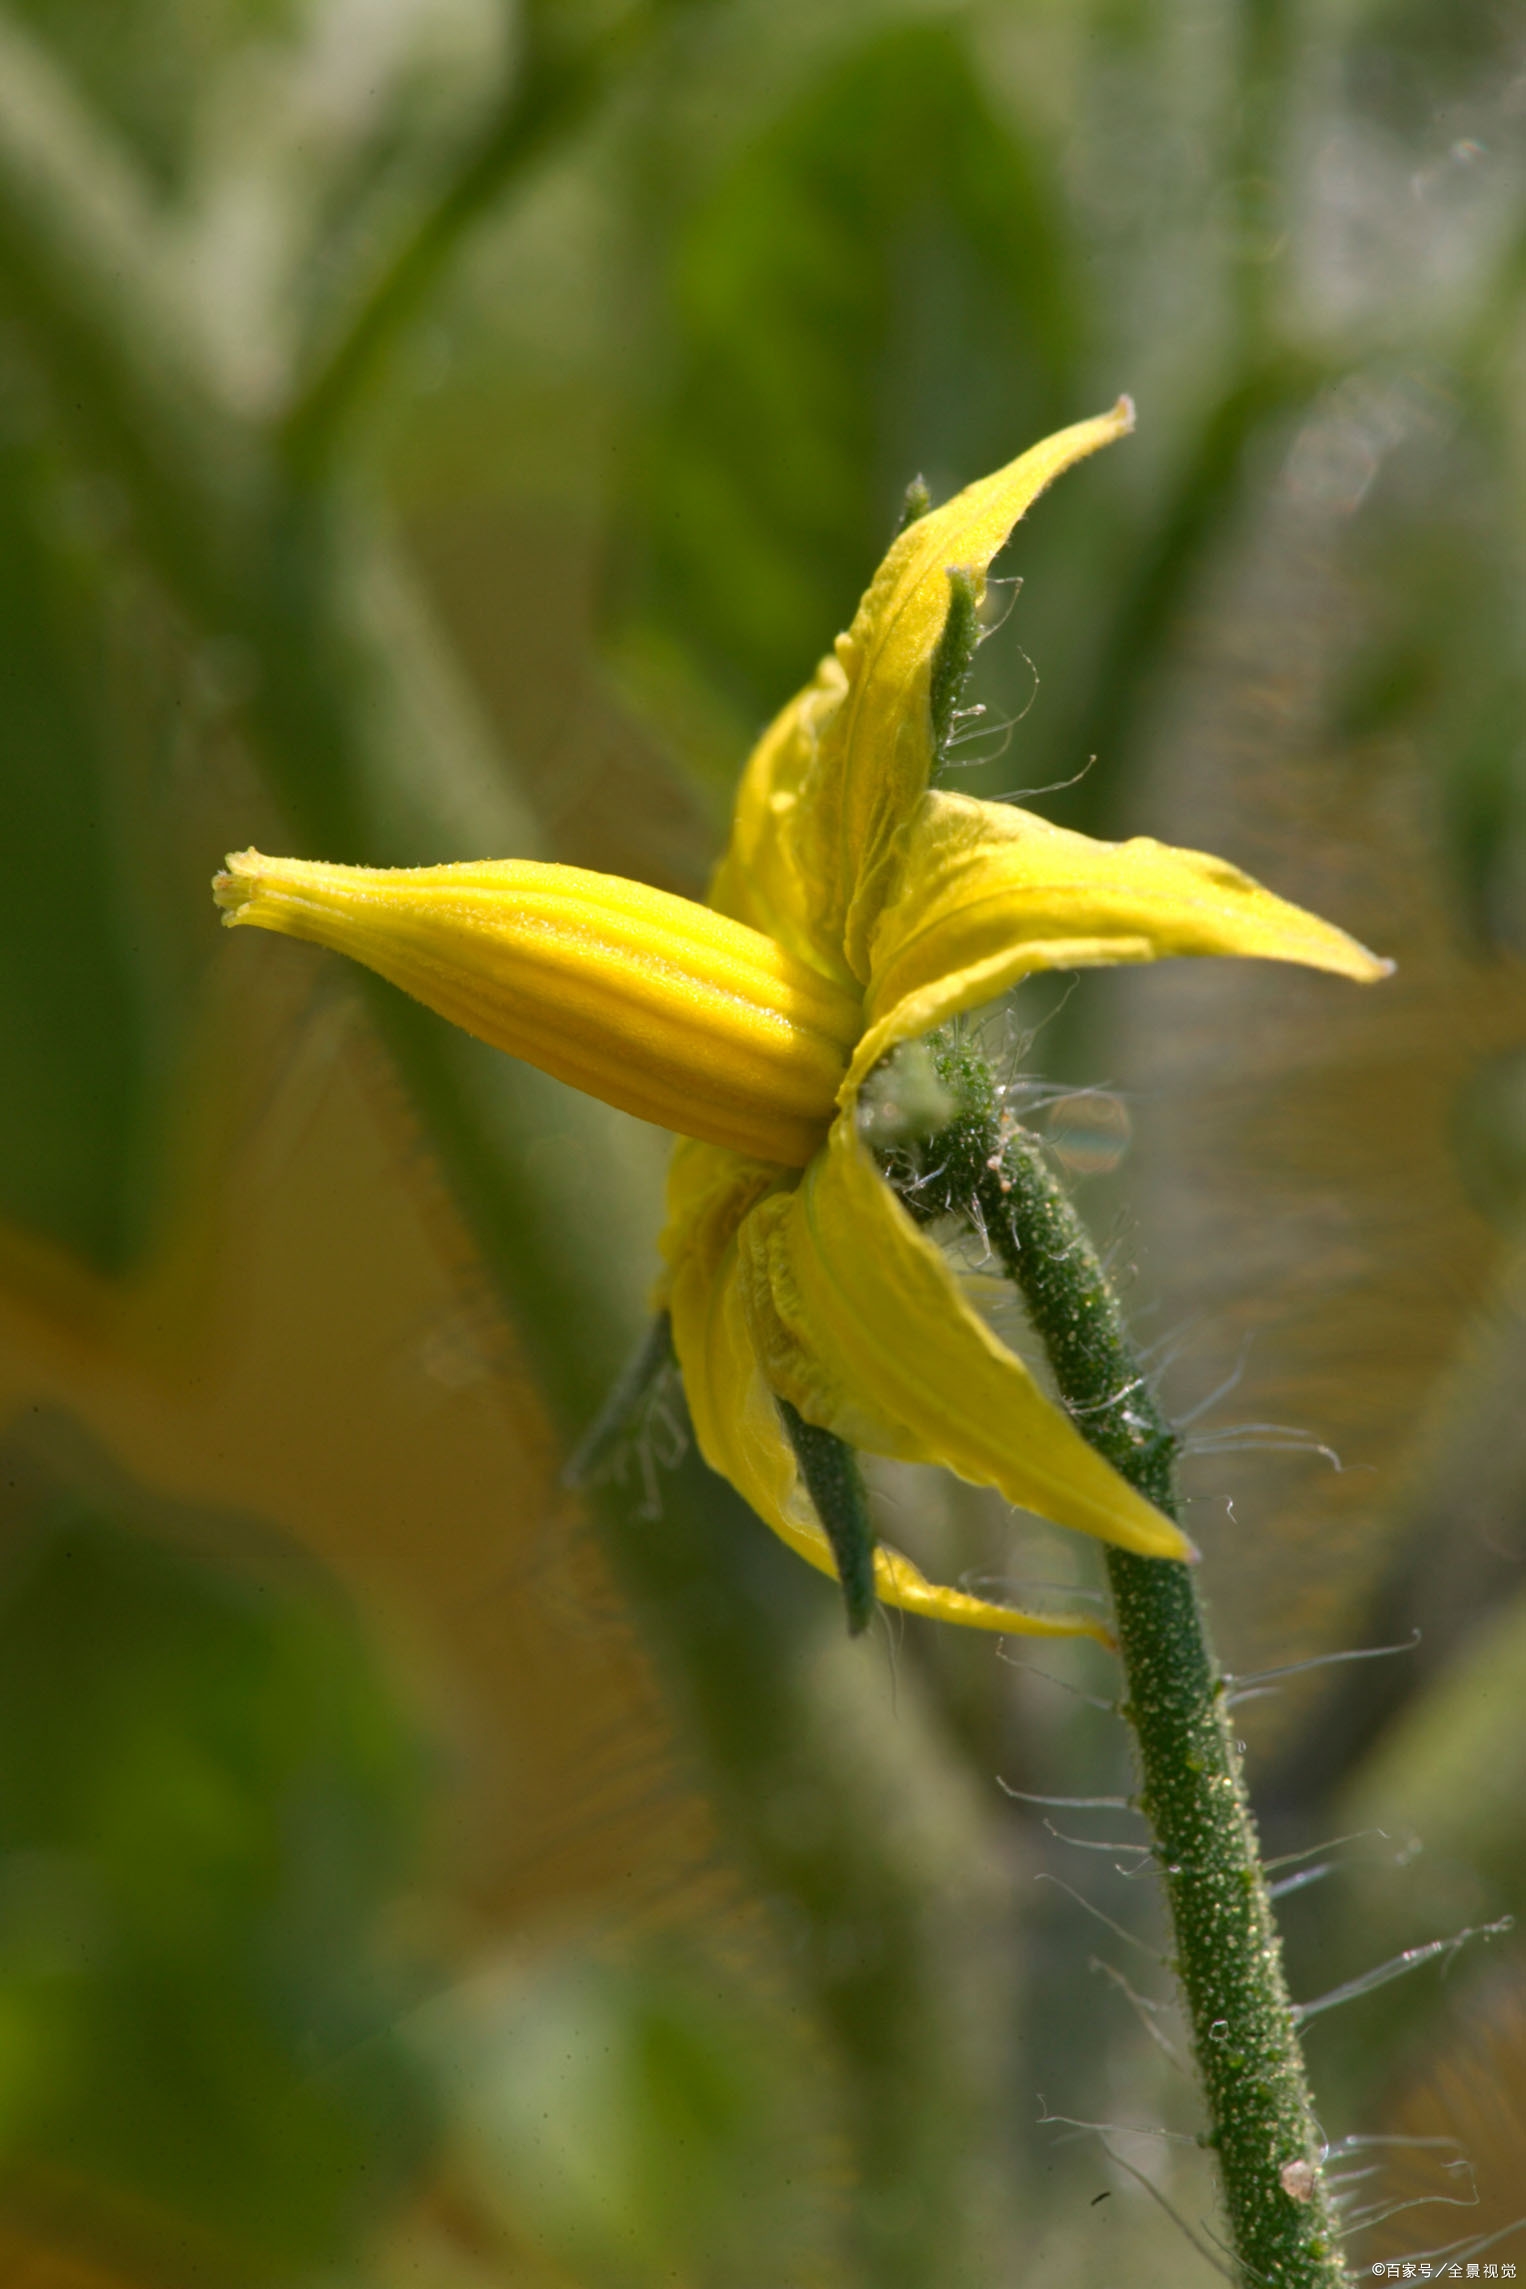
pixel 651 1002
pixel 859 1322
pixel 841 766
pixel 899 1583
pixel 712 1197
pixel 877 752
pixel 985 894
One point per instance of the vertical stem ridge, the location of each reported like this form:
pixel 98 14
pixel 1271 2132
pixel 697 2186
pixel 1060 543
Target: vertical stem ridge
pixel 1227 1951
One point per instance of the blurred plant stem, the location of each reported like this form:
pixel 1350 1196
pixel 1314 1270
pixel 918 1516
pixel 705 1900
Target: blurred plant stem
pixel 1257 169
pixel 1264 378
pixel 373 749
pixel 556 82
pixel 1157 588
pixel 1228 1955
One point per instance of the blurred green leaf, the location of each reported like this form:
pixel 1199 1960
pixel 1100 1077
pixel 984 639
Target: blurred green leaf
pixel 206 1798
pixel 74 1047
pixel 645 2121
pixel 1409 65
pixel 1484 793
pixel 1489 1137
pixel 1435 1850
pixel 145 61
pixel 879 284
pixel 1440 551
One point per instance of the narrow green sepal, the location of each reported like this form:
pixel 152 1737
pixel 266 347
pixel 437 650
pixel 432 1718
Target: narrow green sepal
pixel 955 655
pixel 836 1486
pixel 916 504
pixel 616 1419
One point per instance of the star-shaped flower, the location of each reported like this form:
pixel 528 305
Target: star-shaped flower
pixel 856 909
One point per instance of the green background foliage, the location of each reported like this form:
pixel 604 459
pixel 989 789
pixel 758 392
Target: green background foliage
pixel 429 427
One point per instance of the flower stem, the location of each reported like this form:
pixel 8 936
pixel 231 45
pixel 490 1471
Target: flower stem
pixel 1227 1952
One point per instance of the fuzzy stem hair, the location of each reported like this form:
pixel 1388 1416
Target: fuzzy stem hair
pixel 1227 1952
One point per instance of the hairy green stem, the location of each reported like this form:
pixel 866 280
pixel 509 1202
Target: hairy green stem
pixel 1227 1952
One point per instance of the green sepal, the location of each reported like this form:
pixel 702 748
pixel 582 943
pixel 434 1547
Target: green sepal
pixel 617 1418
pixel 955 655
pixel 836 1486
pixel 916 504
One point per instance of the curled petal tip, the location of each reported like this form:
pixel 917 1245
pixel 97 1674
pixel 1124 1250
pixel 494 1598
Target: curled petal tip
pixel 1123 414
pixel 1347 956
pixel 233 888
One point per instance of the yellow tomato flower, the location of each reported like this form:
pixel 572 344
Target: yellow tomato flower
pixel 856 908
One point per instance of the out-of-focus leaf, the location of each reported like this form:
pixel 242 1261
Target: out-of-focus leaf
pixel 1444 671
pixel 641 2122
pixel 1484 792
pixel 1435 1850
pixel 1454 1772
pixel 1457 2133
pixel 1409 66
pixel 878 284
pixel 206 1796
pixel 1489 1134
pixel 73 1045
pixel 144 61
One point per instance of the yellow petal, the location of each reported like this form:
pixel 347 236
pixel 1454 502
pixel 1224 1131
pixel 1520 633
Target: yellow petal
pixel 770 876
pixel 651 1002
pixel 841 766
pixel 713 1197
pixel 858 1320
pixel 876 755
pixel 736 1421
pixel 985 894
